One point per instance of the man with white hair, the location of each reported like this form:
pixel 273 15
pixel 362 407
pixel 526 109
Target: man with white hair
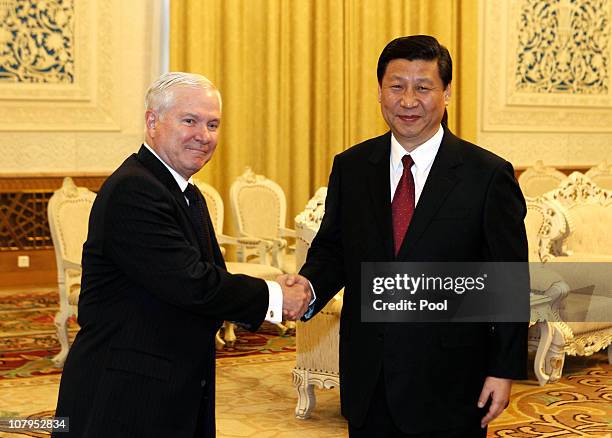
pixel 155 288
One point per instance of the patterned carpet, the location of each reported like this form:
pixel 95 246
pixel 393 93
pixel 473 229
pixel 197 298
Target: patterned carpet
pixel 255 397
pixel 28 341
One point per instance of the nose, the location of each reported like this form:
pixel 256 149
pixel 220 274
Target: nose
pixel 409 99
pixel 204 135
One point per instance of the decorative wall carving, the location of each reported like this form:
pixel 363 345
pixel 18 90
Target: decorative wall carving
pixel 36 41
pixel 563 46
pixel 544 80
pixel 89 125
pixel 88 102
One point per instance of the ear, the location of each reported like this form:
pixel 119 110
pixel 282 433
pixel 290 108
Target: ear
pixel 379 93
pixel 447 94
pixel 150 120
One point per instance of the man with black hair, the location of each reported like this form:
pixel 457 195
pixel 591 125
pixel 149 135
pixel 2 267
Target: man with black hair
pixel 418 193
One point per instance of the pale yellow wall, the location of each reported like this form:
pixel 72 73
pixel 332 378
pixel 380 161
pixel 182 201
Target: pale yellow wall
pixel 94 123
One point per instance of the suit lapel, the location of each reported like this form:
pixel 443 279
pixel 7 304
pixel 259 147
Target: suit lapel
pixel 160 171
pixel 156 167
pixel 440 181
pixel 380 191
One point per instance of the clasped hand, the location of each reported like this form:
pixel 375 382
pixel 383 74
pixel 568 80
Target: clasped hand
pixel 296 295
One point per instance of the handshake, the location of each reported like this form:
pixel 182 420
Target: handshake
pixel 297 295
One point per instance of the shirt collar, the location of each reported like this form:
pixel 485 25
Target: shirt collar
pixel 182 182
pixel 422 156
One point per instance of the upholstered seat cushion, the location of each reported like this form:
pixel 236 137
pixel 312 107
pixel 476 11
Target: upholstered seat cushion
pixel 254 270
pixel 542 278
pixel 582 312
pixel 581 328
pixel 288 263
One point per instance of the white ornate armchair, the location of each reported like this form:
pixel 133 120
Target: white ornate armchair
pixel 317 340
pixel 586 310
pixel 68 213
pixel 539 179
pixel 260 207
pixel 601 175
pixel 215 206
pixel 577 230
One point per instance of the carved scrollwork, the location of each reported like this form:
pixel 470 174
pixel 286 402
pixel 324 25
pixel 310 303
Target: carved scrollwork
pixel 315 209
pixel 579 189
pixel 563 47
pixel 37 41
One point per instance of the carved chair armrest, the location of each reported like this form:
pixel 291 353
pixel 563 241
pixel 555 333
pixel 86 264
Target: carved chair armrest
pixel 70 264
pixel 287 232
pixel 263 246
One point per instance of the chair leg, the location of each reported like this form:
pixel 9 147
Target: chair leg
pixel 546 334
pixel 229 336
pixel 306 395
pixel 553 362
pixel 290 327
pixel 219 343
pixel 61 328
pixel 282 329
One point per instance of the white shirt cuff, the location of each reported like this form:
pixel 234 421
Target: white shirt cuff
pixel 275 303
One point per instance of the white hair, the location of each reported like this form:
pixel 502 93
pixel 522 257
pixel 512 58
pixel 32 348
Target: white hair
pixel 160 94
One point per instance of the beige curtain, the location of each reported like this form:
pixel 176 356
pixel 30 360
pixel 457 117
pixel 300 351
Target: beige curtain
pixel 298 77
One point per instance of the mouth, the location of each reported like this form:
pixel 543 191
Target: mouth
pixel 408 118
pixel 198 151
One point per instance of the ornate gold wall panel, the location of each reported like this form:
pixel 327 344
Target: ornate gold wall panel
pixel 37 41
pixel 545 80
pixel 85 115
pixel 44 102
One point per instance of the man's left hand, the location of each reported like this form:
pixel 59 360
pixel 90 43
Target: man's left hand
pixel 499 391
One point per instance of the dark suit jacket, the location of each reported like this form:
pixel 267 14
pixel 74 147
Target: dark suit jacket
pixel 152 298
pixel 471 209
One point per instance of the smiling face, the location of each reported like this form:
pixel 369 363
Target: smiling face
pixel 185 134
pixel 412 100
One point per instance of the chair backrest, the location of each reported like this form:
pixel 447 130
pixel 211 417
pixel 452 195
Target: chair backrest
pixel 307 225
pixel 601 175
pixel 258 205
pixel 588 213
pixel 214 202
pixel 546 225
pixel 539 179
pixel 68 213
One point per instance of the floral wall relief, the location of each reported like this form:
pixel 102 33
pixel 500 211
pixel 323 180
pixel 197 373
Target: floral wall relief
pixel 37 41
pixel 563 47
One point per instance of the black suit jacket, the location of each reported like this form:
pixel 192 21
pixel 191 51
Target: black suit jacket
pixel 152 299
pixel 471 209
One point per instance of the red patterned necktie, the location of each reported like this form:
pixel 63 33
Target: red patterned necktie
pixel 402 206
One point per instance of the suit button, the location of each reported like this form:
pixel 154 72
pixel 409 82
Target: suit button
pixel 203 383
pixel 380 337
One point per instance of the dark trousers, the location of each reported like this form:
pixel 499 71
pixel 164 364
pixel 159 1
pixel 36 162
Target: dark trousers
pixel 379 423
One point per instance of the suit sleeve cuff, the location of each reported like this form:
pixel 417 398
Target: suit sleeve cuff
pixel 274 313
pixel 310 312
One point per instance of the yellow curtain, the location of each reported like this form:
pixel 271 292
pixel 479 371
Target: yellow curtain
pixel 298 78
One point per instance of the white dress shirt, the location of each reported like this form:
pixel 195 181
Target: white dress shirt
pixel 274 313
pixel 423 157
